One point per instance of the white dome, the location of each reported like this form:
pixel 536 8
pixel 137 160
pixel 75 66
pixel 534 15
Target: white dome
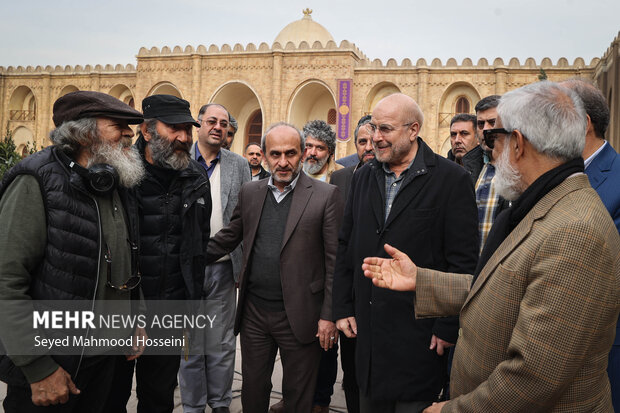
pixel 306 30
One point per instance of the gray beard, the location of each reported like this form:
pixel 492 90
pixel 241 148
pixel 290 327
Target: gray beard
pixel 293 176
pixel 126 162
pixel 507 179
pixel 164 155
pixel 314 168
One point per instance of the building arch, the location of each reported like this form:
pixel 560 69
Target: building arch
pixel 453 94
pixel 22 105
pixel 122 93
pixel 378 92
pixel 165 88
pixel 23 139
pixel 456 94
pixel 68 89
pixel 311 100
pixel 243 103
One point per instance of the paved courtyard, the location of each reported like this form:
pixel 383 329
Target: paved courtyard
pixel 337 405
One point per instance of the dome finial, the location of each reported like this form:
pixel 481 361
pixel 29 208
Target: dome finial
pixel 307 13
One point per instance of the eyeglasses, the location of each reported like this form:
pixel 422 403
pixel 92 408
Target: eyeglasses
pixel 490 135
pixel 384 129
pixel 130 284
pixel 212 122
pixel 481 123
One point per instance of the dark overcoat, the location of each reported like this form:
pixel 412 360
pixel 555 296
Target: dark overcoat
pixel 433 219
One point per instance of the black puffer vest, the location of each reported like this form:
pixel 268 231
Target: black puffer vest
pixel 70 267
pixel 69 270
pixel 174 232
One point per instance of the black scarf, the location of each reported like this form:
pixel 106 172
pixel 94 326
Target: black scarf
pixel 509 218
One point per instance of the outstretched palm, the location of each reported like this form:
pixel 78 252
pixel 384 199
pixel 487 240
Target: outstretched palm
pixel 396 273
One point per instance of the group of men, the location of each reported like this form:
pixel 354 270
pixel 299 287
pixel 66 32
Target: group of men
pixel 193 221
pixel 539 313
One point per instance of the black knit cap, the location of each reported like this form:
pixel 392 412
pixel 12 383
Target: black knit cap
pixel 87 104
pixel 168 109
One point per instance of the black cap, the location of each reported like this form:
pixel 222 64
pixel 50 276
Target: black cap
pixel 86 104
pixel 168 109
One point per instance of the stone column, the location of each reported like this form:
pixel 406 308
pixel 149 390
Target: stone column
pixel 4 120
pixel 196 87
pixel 44 112
pixel 95 82
pixel 422 99
pixel 500 80
pixel 276 92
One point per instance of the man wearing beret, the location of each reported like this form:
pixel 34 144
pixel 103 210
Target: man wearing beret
pixel 63 211
pixel 175 207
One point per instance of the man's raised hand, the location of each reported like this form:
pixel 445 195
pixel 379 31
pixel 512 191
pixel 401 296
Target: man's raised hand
pixel 396 273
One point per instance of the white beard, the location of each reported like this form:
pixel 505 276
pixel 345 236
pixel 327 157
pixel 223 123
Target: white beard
pixel 507 179
pixel 127 162
pixel 314 168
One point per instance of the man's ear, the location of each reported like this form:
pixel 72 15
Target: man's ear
pixel 589 126
pixel 415 130
pixel 519 143
pixel 145 133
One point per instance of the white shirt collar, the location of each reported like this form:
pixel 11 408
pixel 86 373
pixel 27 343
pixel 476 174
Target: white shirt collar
pixel 279 196
pixel 588 161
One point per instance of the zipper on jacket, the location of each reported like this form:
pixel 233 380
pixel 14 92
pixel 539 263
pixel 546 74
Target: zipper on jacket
pixel 92 307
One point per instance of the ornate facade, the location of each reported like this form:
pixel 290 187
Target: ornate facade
pixel 303 75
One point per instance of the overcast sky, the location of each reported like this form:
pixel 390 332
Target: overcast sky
pixel 71 32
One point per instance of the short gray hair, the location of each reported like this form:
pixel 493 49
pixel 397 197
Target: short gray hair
pixel 550 116
pixel 302 140
pixel 320 130
pixel 151 126
pixel 73 134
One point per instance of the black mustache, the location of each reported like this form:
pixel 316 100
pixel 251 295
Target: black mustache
pixel 185 146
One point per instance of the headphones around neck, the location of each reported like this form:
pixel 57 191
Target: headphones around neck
pixel 101 178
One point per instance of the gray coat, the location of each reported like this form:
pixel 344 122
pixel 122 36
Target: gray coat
pixel 234 172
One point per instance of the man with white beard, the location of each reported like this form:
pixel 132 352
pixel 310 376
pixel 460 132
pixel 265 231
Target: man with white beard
pixel 539 320
pixel 175 205
pixel 58 218
pixel 319 160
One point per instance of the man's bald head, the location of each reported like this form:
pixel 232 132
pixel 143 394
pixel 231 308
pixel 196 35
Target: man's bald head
pixel 410 111
pixel 395 123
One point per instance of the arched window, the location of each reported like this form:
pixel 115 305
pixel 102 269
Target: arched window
pixel 331 116
pixel 462 105
pixel 255 128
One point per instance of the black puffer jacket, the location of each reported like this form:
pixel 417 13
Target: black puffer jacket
pixel 174 232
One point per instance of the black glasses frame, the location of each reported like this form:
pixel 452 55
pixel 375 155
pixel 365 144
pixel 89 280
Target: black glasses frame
pixel 490 135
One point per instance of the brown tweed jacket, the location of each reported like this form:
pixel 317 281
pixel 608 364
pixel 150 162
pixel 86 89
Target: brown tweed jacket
pixel 540 319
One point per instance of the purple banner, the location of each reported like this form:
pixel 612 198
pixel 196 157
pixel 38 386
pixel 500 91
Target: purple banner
pixel 344 108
